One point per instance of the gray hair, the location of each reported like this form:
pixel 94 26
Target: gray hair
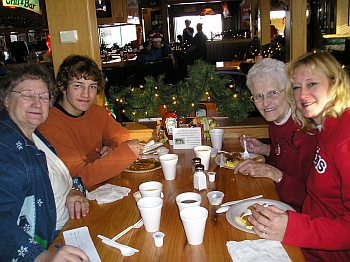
pixel 267 68
pixel 21 72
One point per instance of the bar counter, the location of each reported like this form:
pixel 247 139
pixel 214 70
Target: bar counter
pixel 110 219
pixel 255 126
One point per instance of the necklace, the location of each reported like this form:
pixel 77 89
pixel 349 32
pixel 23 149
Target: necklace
pixel 278 148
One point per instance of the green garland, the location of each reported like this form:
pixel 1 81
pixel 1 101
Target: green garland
pixel 201 85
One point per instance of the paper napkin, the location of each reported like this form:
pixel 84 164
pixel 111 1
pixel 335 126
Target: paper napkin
pixel 261 250
pixel 108 193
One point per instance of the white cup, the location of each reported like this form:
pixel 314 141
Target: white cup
pixel 188 199
pixel 194 220
pixel 151 189
pixel 151 210
pixel 203 152
pixel 215 197
pixel 169 163
pixel 211 176
pixel 216 136
pixel 158 238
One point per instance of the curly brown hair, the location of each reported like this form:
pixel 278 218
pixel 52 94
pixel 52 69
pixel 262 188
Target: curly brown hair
pixel 21 72
pixel 78 66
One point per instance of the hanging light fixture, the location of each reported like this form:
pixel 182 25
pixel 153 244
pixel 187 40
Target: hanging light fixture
pixel 207 11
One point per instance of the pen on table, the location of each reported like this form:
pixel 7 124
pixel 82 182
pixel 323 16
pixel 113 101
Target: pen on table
pixel 59 246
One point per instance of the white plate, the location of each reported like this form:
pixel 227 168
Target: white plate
pixel 238 209
pixel 251 155
pixel 146 170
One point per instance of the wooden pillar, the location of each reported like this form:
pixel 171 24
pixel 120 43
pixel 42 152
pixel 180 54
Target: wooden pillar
pixel 296 31
pixel 165 15
pixel 66 15
pixel 265 31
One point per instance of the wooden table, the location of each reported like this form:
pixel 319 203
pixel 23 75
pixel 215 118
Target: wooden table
pixel 110 219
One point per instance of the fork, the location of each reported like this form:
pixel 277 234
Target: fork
pixel 245 154
pixel 138 224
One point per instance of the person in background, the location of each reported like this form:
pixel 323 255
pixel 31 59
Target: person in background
pixel 88 140
pixel 160 49
pixel 199 44
pixel 318 88
pixel 187 34
pixel 292 149
pixel 36 191
pixel 273 30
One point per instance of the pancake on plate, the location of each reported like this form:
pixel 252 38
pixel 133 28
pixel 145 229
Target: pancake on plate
pixel 143 164
pixel 243 221
pixel 233 160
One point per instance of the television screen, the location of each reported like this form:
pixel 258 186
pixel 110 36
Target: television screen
pixel 103 8
pixel 19 50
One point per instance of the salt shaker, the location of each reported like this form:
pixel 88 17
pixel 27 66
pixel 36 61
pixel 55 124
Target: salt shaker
pixel 195 161
pixel 199 178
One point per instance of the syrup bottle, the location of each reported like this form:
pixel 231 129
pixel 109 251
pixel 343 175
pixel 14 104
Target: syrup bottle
pixel 170 121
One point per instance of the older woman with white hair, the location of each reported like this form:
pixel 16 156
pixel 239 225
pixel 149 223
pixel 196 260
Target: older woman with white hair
pixel 37 195
pixel 292 149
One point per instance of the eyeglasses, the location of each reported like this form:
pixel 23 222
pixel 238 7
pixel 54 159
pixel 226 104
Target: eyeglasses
pixel 29 95
pixel 271 95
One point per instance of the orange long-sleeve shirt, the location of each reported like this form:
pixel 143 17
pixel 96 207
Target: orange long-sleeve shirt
pixel 76 140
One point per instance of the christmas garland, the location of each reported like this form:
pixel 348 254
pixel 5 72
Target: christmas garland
pixel 202 84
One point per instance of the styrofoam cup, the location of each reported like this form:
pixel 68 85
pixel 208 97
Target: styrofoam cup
pixel 194 220
pixel 169 163
pixel 151 210
pixel 203 152
pixel 216 136
pixel 151 189
pixel 188 199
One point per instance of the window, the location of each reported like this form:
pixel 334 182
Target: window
pixel 120 35
pixel 211 24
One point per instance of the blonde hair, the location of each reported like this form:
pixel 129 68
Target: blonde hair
pixel 339 86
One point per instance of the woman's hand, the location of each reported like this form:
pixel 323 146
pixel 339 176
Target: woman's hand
pixel 255 169
pixel 254 145
pixel 64 254
pixel 77 204
pixel 136 147
pixel 103 151
pixel 269 222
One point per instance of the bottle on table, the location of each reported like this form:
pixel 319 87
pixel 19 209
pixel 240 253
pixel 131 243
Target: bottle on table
pixel 199 178
pixel 170 121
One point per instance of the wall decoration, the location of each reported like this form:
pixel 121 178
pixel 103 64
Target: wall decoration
pixel 190 8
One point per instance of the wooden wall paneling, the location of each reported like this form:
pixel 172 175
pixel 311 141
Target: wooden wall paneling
pixel 298 24
pixel 265 22
pixel 65 15
pixel 225 50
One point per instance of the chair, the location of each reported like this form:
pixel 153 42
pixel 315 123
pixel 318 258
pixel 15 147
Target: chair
pixel 242 55
pixel 114 77
pixel 244 67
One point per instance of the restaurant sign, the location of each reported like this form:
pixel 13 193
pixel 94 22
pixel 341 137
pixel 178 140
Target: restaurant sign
pixel 32 5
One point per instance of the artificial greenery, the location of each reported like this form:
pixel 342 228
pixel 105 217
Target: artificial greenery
pixel 202 84
pixel 275 49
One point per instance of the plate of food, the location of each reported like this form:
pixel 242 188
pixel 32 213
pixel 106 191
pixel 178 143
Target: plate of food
pixel 143 165
pixel 235 212
pixel 232 160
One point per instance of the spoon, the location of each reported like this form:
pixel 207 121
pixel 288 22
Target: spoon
pixel 125 250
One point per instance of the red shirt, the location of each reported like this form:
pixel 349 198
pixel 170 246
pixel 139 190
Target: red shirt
pixel 324 227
